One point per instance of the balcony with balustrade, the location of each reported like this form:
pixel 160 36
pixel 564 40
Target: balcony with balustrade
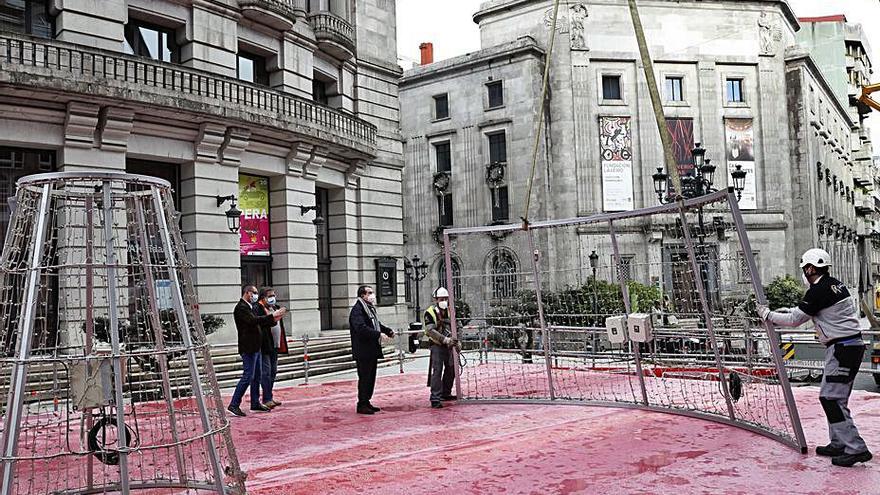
pixel 62 71
pixel 278 14
pixel 334 35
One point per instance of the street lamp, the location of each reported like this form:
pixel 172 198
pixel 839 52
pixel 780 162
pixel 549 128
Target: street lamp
pixel 594 264
pixel 696 185
pixel 233 214
pixel 416 271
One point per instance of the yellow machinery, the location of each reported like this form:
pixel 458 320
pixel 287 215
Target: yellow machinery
pixel 866 98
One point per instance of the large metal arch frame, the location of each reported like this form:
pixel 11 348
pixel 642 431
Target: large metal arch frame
pixel 679 208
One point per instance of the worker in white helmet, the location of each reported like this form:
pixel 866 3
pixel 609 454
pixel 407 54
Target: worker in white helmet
pixel 828 303
pixel 441 373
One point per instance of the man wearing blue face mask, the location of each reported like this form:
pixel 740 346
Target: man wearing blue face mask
pixel 833 311
pixel 248 324
pixel 441 375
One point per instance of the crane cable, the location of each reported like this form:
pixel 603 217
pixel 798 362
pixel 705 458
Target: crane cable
pixel 538 125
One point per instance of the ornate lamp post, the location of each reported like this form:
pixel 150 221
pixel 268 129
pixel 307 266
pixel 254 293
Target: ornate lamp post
pixel 594 264
pixel 415 270
pixel 696 185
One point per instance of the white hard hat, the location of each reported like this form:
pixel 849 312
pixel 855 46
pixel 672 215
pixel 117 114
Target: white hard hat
pixel 440 292
pixel 816 257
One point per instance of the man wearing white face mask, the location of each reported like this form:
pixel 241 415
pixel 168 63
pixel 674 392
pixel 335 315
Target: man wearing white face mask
pixel 441 375
pixel 366 346
pixel 829 304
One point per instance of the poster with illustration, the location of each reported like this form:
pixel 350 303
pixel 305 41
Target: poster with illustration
pixel 615 144
pixel 741 151
pixel 253 201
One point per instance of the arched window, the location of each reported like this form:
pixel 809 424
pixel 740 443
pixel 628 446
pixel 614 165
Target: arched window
pixel 504 273
pixel 456 276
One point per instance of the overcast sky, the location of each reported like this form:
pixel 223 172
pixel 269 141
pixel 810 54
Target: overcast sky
pixel 449 25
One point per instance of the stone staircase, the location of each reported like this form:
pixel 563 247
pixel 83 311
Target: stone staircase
pixel 47 381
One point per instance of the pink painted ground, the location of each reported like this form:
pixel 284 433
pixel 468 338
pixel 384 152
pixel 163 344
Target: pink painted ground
pixel 316 444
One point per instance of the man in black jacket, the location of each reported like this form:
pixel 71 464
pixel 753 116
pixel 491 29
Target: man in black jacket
pixel 248 324
pixel 366 346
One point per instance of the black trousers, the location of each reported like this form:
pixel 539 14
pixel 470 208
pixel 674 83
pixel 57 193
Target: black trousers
pixel 366 369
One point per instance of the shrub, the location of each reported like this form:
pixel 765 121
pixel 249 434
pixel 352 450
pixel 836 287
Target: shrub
pixel 784 292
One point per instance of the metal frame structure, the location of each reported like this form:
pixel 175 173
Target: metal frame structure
pixel 679 209
pixel 139 205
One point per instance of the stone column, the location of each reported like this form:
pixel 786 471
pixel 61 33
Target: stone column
pixel 213 42
pixel 294 248
pixel 211 247
pixel 78 21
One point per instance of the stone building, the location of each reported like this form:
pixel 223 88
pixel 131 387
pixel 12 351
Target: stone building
pixel 842 52
pixel 735 82
pixel 289 107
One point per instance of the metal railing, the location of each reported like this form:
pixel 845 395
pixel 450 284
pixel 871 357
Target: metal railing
pixel 334 27
pixel 145 74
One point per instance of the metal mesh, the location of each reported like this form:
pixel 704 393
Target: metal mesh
pixel 101 335
pixel 531 315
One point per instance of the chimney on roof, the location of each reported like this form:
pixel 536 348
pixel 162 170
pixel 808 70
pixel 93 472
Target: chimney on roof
pixel 427 50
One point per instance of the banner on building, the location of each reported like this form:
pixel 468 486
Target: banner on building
pixel 617 175
pixel 253 200
pixel 682 133
pixel 741 151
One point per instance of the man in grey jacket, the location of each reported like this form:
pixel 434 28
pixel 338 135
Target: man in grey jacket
pixel 828 303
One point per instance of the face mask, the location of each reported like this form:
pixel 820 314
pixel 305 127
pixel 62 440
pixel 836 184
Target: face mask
pixel 254 298
pixel 443 304
pixel 271 300
pixel 371 299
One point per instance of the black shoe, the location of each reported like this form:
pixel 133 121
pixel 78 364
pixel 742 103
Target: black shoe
pixel 365 410
pixel 829 451
pixel 450 397
pixel 847 460
pixel 436 405
pixel 374 408
pixel 260 407
pixel 236 411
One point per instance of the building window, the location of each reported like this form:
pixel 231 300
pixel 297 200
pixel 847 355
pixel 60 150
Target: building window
pixel 443 156
pixel 500 206
pixel 252 68
pixel 26 17
pixel 674 89
pixel 611 88
pixel 735 91
pixel 15 163
pixel 444 207
pixel 744 276
pixel 504 274
pixel 496 94
pixel 149 41
pixel 497 147
pixel 625 266
pixel 319 92
pixel 456 277
pixel 441 107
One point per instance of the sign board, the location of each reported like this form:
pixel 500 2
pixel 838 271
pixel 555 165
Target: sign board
pixel 741 151
pixel 253 200
pixel 386 281
pixel 615 142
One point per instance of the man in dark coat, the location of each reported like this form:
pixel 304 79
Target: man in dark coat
pixel 366 345
pixel 248 324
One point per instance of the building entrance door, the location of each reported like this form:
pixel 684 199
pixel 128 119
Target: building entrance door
pixel 325 299
pixel 256 272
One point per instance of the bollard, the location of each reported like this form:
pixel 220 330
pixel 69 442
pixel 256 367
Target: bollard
pixel 306 358
pixel 400 349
